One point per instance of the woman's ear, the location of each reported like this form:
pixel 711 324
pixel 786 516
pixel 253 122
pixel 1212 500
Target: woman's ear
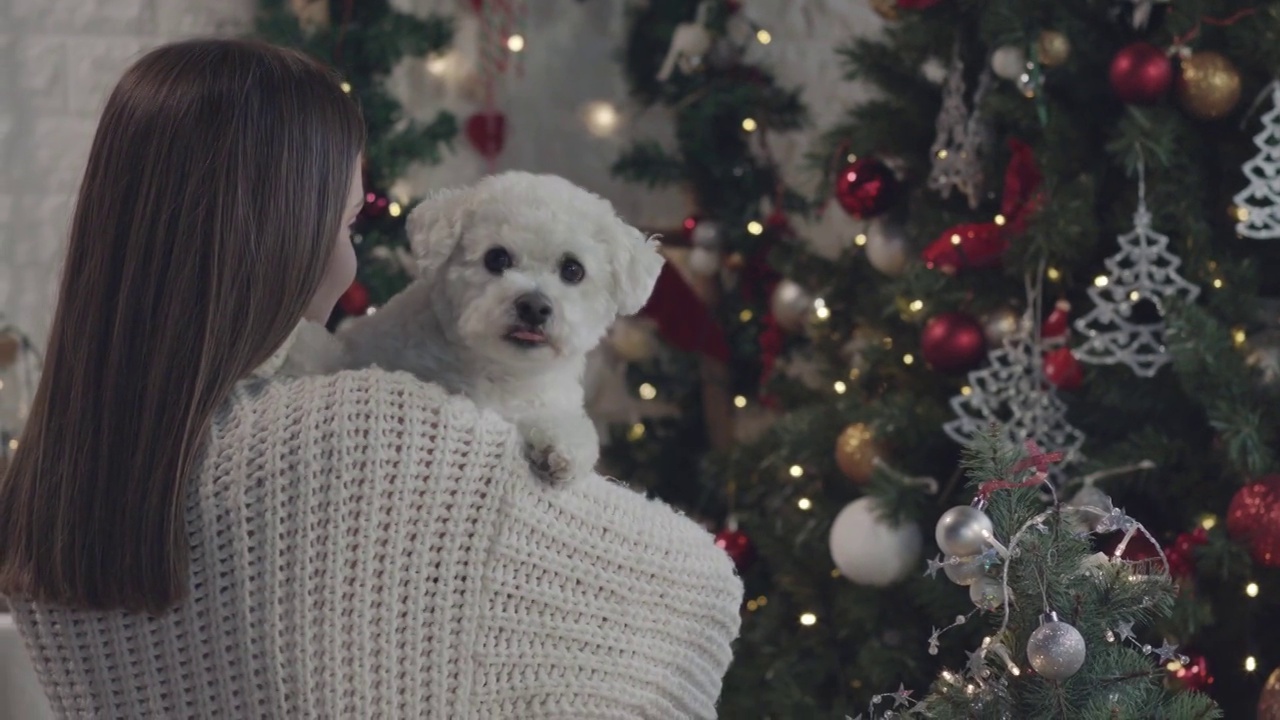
pixel 637 263
pixel 435 228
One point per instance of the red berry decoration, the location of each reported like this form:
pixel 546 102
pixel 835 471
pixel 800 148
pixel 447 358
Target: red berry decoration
pixel 953 342
pixel 1062 369
pixel 866 187
pixel 1253 518
pixel 355 301
pixel 1141 74
pixel 737 545
pixel 1193 674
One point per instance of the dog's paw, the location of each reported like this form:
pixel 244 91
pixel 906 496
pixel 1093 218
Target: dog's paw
pixel 561 452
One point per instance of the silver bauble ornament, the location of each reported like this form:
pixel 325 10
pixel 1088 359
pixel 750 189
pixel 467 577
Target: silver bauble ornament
pixel 705 234
pixel 704 261
pixel 986 593
pixel 886 247
pixel 999 324
pixel 791 305
pixel 963 531
pixel 869 550
pixel 965 572
pixel 1055 649
pixel 1009 62
pixel 1090 496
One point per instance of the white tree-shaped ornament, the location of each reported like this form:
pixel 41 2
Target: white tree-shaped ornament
pixel 1013 392
pixel 957 148
pixel 1258 205
pixel 1144 271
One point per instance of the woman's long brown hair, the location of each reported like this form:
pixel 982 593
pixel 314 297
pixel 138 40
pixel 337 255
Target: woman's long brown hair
pixel 209 209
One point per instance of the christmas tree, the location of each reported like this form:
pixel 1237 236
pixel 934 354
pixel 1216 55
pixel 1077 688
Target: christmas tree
pixel 701 60
pixel 364 41
pixel 1018 156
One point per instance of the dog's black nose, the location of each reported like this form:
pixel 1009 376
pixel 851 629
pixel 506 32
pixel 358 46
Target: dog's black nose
pixel 533 309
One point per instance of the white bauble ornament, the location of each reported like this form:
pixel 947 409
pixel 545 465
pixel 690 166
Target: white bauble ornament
pixel 963 530
pixel 704 261
pixel 871 551
pixel 1009 62
pixel 987 593
pixel 632 339
pixel 705 234
pixel 1056 649
pixel 791 305
pixel 886 247
pixel 965 572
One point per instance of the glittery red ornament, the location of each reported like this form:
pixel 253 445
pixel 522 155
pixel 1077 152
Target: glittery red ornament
pixel 953 342
pixel 970 245
pixel 355 301
pixel 1181 554
pixel 1062 369
pixel 1253 518
pixel 1141 74
pixel 866 187
pixel 737 545
pixel 1193 674
pixel 487 132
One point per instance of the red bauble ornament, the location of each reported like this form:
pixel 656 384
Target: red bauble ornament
pixel 952 342
pixel 1181 554
pixel 487 133
pixel 1141 74
pixel 1056 325
pixel 1253 518
pixel 866 187
pixel 1193 674
pixel 737 545
pixel 355 301
pixel 1062 369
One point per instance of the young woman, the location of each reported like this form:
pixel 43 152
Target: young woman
pixel 186 533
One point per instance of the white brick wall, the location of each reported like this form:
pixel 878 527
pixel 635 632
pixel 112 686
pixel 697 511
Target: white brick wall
pixel 59 58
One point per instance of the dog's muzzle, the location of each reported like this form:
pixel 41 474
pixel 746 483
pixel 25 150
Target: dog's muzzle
pixel 533 311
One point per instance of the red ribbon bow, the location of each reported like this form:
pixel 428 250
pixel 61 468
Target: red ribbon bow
pixel 1036 458
pixel 975 245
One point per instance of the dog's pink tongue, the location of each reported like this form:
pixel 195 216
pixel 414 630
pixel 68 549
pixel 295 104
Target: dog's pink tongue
pixel 527 335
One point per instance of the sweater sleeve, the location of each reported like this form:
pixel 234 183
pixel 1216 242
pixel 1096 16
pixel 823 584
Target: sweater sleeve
pixel 394 557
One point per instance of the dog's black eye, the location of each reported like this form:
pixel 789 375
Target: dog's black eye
pixel 571 271
pixel 497 260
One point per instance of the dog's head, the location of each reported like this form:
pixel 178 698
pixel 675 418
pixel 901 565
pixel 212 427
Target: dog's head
pixel 530 266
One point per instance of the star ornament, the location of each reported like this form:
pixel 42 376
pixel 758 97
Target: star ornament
pixel 1166 652
pixel 1125 630
pixel 902 697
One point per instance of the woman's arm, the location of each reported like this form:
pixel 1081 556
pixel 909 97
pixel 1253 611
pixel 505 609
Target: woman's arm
pixel 407 563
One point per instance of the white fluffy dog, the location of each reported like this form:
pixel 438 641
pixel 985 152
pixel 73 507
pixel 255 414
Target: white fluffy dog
pixel 518 278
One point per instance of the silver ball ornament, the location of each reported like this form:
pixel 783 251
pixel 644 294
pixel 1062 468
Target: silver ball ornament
pixel 963 530
pixel 1009 62
pixel 1000 324
pixel 791 305
pixel 964 572
pixel 886 247
pixel 704 261
pixel 987 593
pixel 1056 649
pixel 1090 496
pixel 869 550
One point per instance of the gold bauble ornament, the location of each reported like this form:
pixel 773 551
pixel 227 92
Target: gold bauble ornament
pixel 1208 85
pixel 887 9
pixel 1052 48
pixel 1269 699
pixel 10 344
pixel 856 452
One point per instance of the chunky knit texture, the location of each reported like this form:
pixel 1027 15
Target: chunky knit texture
pixel 365 545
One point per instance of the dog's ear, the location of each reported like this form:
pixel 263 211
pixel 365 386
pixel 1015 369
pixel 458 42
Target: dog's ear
pixel 637 264
pixel 434 228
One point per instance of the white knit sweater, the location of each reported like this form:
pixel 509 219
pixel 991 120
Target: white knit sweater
pixel 364 545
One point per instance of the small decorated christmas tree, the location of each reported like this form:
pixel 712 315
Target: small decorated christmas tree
pixel 1258 205
pixel 1066 634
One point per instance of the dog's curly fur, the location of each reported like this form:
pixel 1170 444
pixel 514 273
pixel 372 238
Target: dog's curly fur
pixel 457 323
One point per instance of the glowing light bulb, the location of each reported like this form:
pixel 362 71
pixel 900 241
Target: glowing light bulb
pixel 1208 522
pixel 1250 664
pixel 515 43
pixel 908 359
pixel 840 387
pixel 1134 296
pixel 822 313
pixel 1251 589
pixel 942 154
pixel 955 239
pixel 394 209
pixel 808 619
pixel 966 390
pixel 601 118
pixel 13 444
pixel 1238 336
pixel 635 432
pixel 763 36
pixel 804 503
pixel 796 471
pixel 438 64
pixel 346 86
pixel 1101 281
pixel 1000 220
pixel 648 392
pixel 916 305
pixel 1053 274
pixel 740 401
pixel 860 239
pixel 746 315
pixel 754 227
pixel 1217 283
pixel 749 124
